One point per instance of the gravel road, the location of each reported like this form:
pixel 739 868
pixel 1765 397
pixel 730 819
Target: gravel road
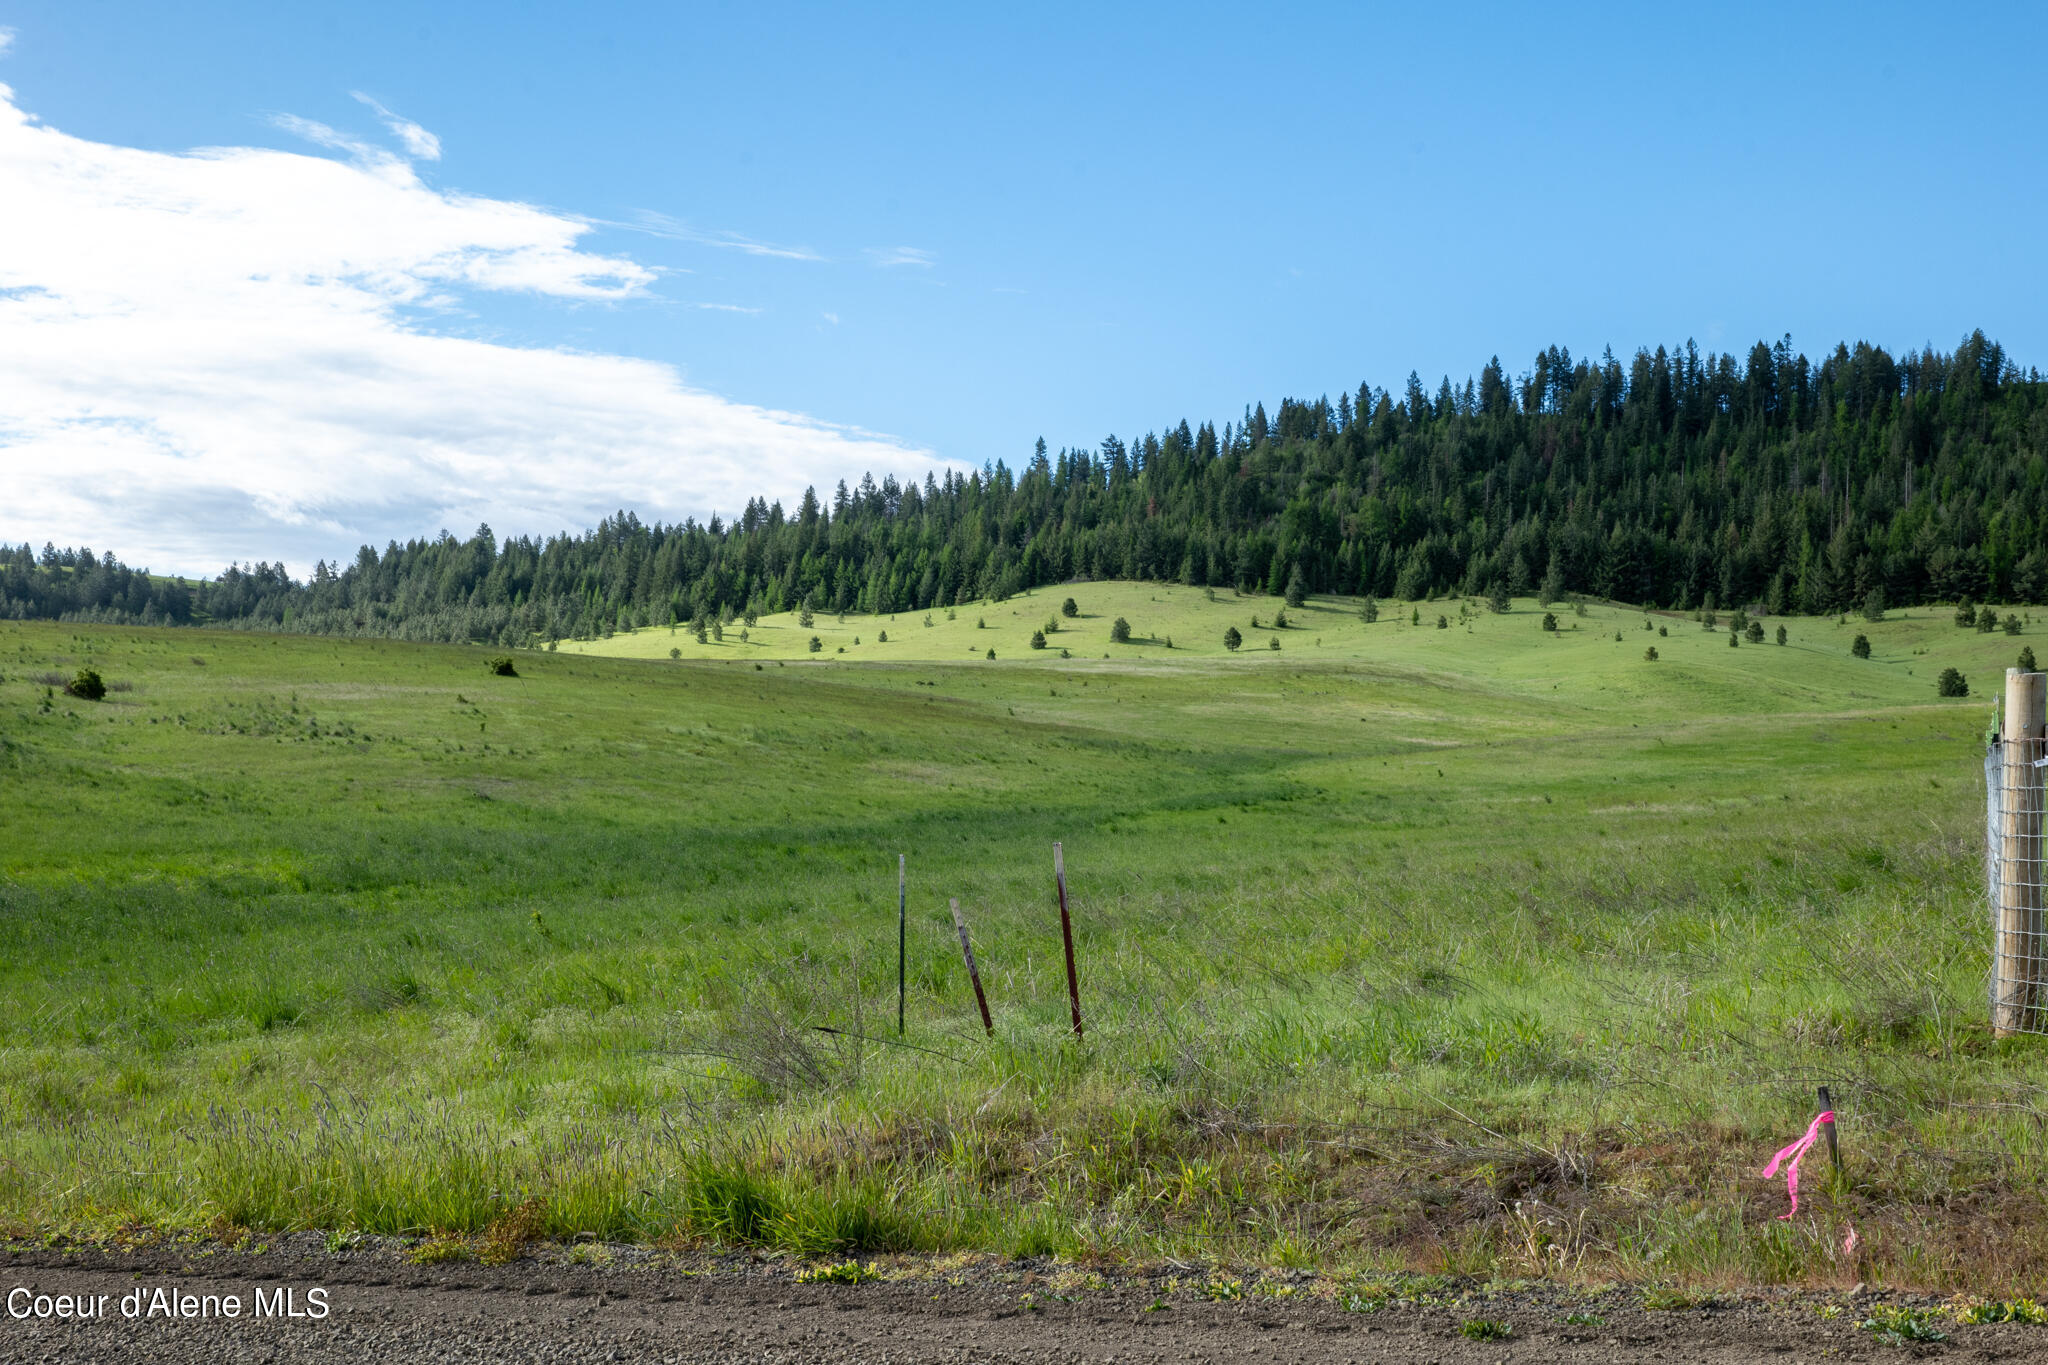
pixel 380 1308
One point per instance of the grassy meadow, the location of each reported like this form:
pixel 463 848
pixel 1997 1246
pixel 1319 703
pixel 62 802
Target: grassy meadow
pixel 1475 949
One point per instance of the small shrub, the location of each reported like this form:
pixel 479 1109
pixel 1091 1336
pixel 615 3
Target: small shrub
pixel 1951 684
pixel 1415 616
pixel 991 654
pixel 1120 631
pixel 1297 589
pixel 1038 639
pixel 1987 621
pixel 675 653
pixel 2026 659
pixel 87 686
pixel 1734 642
pixel 501 666
pixel 1069 608
pixel 1273 643
pixel 804 618
pixel 1550 621
pixel 1369 612
pixel 1663 630
pixel 1861 647
pixel 1443 623
pixel 2012 624
pixel 883 638
pixel 1650 654
pixel 1966 615
pixel 1781 635
pixel 1873 605
pixel 1755 633
pixel 981 623
pixel 1497 601
pixel 1280 621
pixel 1485 1329
pixel 816 644
pixel 1231 639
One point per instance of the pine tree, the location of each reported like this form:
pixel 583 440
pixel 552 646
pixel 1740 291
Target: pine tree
pixel 1231 639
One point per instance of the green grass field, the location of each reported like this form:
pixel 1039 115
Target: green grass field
pixel 1477 949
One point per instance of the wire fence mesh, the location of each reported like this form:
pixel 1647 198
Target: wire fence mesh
pixel 2013 773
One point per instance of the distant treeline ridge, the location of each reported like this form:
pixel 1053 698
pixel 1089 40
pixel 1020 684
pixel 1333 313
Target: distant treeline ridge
pixel 1678 479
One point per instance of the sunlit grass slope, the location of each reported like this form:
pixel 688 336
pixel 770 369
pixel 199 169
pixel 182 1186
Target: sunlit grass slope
pixel 1400 947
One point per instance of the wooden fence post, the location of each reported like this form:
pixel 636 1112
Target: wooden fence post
pixel 2017 1004
pixel 967 951
pixel 901 935
pixel 1059 877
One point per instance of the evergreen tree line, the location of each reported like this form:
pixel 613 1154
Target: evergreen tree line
pixel 1678 480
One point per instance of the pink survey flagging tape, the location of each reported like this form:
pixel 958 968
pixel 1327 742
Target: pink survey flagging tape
pixel 1795 1151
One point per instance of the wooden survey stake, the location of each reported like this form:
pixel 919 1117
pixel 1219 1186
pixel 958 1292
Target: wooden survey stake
pixel 967 951
pixel 1059 877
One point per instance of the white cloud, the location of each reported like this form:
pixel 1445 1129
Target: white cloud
pixel 724 308
pixel 832 318
pixel 886 256
pixel 6 40
pixel 420 144
pixel 217 356
pixel 661 225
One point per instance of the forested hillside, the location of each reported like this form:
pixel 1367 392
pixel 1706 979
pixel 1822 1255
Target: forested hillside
pixel 1774 481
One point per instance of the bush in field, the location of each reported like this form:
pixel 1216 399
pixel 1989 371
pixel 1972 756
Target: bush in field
pixel 1497 601
pixel 804 619
pixel 1951 684
pixel 89 686
pixel 1069 608
pixel 1120 632
pixel 1038 639
pixel 2026 659
pixel 502 666
pixel 883 638
pixel 2012 624
pixel 1443 623
pixel 1273 643
pixel 1966 615
pixel 1755 633
pixel 1987 621
pixel 1861 647
pixel 1781 635
pixel 816 644
pixel 1280 621
pixel 1297 589
pixel 1231 639
pixel 1873 605
pixel 675 653
pixel 1550 620
pixel 1369 611
pixel 1650 654
pixel 1734 641
pixel 991 655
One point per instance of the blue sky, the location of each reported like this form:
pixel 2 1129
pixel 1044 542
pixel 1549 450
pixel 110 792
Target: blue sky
pixel 958 229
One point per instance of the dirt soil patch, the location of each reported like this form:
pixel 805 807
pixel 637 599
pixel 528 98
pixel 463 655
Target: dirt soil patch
pixel 647 1306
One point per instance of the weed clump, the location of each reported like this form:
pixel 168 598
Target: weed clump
pixel 1485 1329
pixel 440 1251
pixel 1895 1325
pixel 511 1231
pixel 844 1272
